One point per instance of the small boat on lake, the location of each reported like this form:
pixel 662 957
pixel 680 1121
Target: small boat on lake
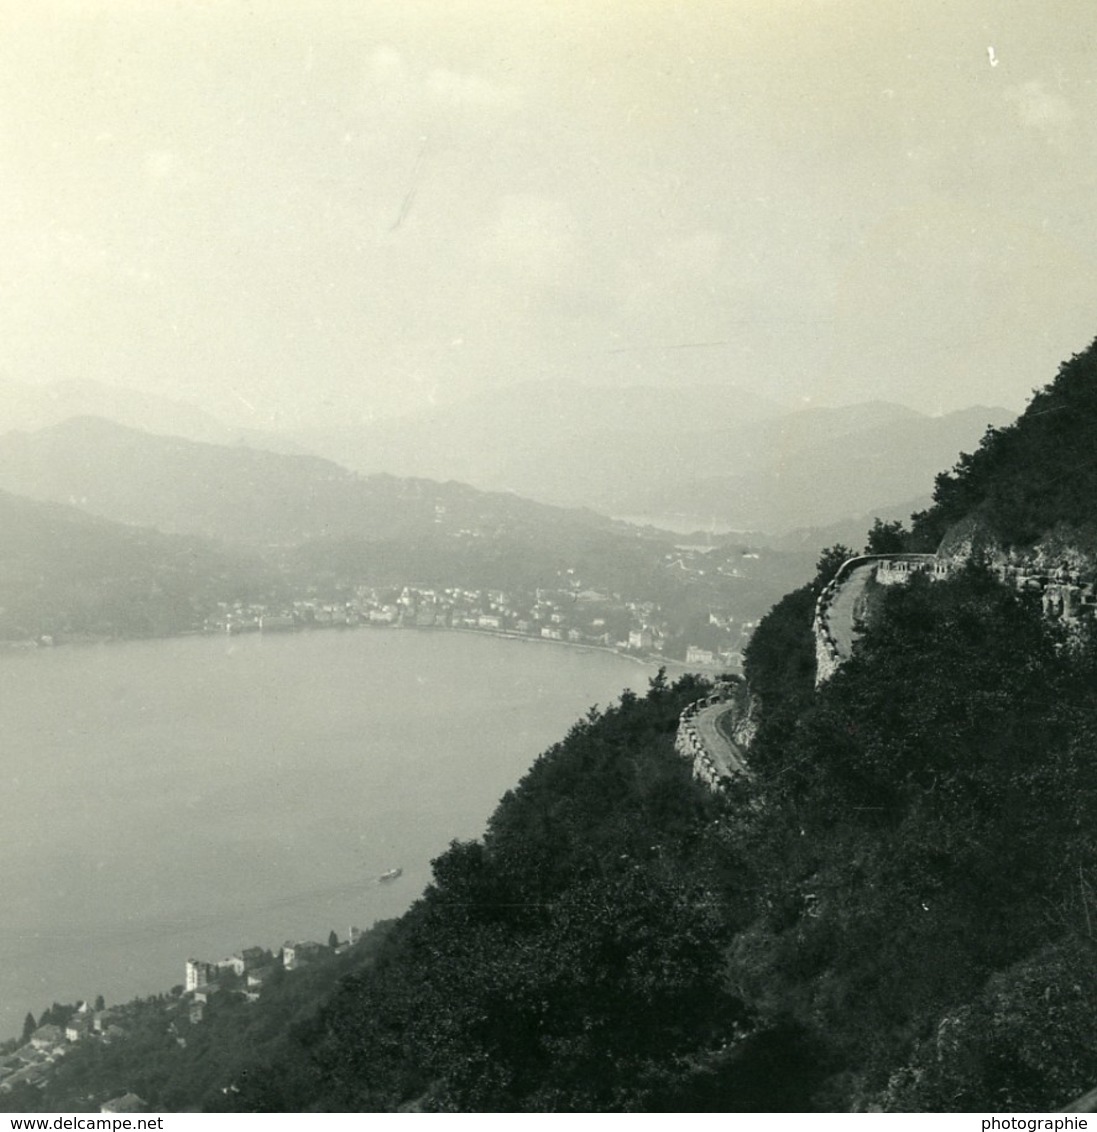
pixel 390 876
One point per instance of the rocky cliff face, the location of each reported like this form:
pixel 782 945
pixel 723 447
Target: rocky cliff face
pixel 1061 567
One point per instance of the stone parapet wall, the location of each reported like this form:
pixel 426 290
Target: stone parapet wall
pixel 1067 591
pixel 897 571
pixel 826 647
pixel 827 660
pixel 689 744
pixel 891 569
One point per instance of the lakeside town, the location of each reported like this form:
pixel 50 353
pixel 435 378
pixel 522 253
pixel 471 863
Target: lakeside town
pixel 239 979
pixel 574 615
pixel 633 590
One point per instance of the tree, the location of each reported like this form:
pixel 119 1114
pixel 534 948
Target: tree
pixel 57 1015
pixel 780 657
pixel 100 1003
pixel 829 561
pixel 29 1026
pixel 333 940
pixel 886 538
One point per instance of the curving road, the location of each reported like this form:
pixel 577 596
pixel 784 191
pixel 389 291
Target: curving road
pixel 835 621
pixel 725 754
pixel 842 611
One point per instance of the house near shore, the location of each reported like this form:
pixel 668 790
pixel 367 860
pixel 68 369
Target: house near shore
pixel 296 955
pixel 641 639
pixel 197 974
pixel 257 976
pixel 29 1075
pixel 247 960
pixel 45 1037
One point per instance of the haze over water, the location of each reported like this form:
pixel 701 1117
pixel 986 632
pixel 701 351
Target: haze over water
pixel 190 797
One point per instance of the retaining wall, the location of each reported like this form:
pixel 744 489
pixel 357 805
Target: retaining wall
pixel 892 569
pixel 689 744
pixel 1067 594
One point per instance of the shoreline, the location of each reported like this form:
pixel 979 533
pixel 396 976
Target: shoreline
pixel 26 645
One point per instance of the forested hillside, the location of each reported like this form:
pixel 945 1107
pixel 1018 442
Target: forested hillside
pixel 929 857
pixel 570 960
pixel 67 574
pixel 1032 475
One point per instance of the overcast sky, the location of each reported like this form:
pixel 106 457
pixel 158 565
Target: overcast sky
pixel 292 211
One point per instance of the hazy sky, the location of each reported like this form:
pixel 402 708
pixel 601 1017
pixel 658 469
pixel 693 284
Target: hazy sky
pixel 303 210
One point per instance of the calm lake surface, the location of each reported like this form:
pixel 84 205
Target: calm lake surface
pixel 185 798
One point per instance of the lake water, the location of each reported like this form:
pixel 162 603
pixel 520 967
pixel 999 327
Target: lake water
pixel 183 798
pixel 685 525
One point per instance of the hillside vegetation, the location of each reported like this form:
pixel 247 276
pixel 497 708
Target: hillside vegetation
pixel 903 918
pixel 1033 475
pixel 66 574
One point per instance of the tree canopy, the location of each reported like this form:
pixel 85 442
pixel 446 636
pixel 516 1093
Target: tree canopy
pixel 1031 475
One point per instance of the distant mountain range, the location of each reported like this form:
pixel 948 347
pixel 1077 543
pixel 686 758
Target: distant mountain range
pixel 696 456
pixel 259 521
pixel 707 454
pixel 32 407
pixel 800 475
pixel 249 496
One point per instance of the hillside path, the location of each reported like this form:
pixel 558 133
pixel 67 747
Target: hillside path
pixel 842 608
pixel 726 755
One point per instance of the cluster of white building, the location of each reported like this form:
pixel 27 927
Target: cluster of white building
pixel 254 965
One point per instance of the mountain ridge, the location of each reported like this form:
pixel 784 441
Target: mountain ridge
pixel 66 574
pixel 28 408
pixel 692 457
